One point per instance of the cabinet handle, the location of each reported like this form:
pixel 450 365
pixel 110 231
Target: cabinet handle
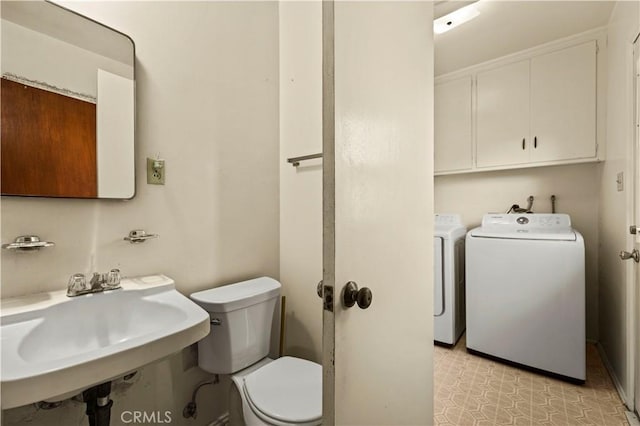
pixel 535 142
pixel 523 143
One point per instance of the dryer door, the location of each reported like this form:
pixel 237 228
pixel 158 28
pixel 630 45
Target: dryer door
pixel 438 279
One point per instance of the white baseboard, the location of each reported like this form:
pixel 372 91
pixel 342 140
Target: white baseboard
pixel 220 421
pixel 632 418
pixel 616 381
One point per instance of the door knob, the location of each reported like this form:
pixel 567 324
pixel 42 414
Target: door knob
pixel 319 289
pixel 635 255
pixel 351 295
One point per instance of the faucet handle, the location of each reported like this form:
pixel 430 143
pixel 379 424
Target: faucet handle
pixel 77 284
pixel 113 278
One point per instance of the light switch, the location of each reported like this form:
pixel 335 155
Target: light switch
pixel 620 181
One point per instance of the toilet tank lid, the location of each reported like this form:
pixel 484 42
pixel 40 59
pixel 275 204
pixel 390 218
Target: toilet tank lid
pixel 235 296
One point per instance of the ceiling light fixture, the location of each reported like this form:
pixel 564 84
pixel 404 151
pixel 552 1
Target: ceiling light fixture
pixel 455 18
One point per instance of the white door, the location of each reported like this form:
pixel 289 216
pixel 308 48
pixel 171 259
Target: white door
pixel 378 212
pixel 452 128
pixel 503 115
pixel 563 104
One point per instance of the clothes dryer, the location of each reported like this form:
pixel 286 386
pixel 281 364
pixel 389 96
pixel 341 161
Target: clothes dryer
pixel 448 283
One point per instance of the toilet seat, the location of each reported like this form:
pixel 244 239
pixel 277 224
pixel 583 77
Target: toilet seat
pixel 287 391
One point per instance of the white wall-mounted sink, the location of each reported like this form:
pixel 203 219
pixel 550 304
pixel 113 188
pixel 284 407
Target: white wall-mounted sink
pixel 54 345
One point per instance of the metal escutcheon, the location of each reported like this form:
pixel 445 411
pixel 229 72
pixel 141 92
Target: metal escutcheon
pixel 351 295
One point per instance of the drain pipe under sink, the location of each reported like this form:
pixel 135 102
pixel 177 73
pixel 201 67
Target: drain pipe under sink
pixel 98 404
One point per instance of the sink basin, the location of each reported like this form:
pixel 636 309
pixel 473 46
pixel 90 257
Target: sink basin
pixel 55 345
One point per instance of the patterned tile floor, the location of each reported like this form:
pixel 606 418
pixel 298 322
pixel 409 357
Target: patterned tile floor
pixel 474 391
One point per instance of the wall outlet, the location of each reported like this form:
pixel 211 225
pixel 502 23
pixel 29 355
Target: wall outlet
pixel 155 171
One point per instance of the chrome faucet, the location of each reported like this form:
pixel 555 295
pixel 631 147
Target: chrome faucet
pixel 99 282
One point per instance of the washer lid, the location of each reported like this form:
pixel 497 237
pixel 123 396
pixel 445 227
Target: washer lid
pixel 287 389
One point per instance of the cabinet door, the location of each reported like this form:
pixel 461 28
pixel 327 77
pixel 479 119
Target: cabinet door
pixel 503 115
pixel 453 125
pixel 563 104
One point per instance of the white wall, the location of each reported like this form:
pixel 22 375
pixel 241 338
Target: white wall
pixel 115 136
pixel 576 191
pixel 37 56
pixel 301 187
pixel 207 102
pixel 624 25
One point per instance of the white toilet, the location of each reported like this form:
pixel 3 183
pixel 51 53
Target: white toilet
pixel 285 391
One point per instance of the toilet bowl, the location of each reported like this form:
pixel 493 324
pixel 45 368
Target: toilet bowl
pixel 282 392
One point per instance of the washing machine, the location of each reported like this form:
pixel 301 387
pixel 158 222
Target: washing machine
pixel 525 288
pixel 448 283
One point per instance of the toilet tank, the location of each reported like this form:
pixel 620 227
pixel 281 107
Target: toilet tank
pixel 241 317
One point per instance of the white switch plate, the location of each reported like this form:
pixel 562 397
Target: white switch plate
pixel 620 181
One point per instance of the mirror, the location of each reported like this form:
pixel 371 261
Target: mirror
pixel 68 102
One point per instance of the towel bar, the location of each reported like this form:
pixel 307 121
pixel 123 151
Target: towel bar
pixel 295 161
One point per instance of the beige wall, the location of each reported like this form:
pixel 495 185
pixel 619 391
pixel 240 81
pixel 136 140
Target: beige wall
pixel 576 191
pixel 301 187
pixel 207 102
pixel 623 28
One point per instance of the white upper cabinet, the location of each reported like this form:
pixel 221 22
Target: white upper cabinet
pixel 535 108
pixel 503 115
pixel 563 104
pixel 453 131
